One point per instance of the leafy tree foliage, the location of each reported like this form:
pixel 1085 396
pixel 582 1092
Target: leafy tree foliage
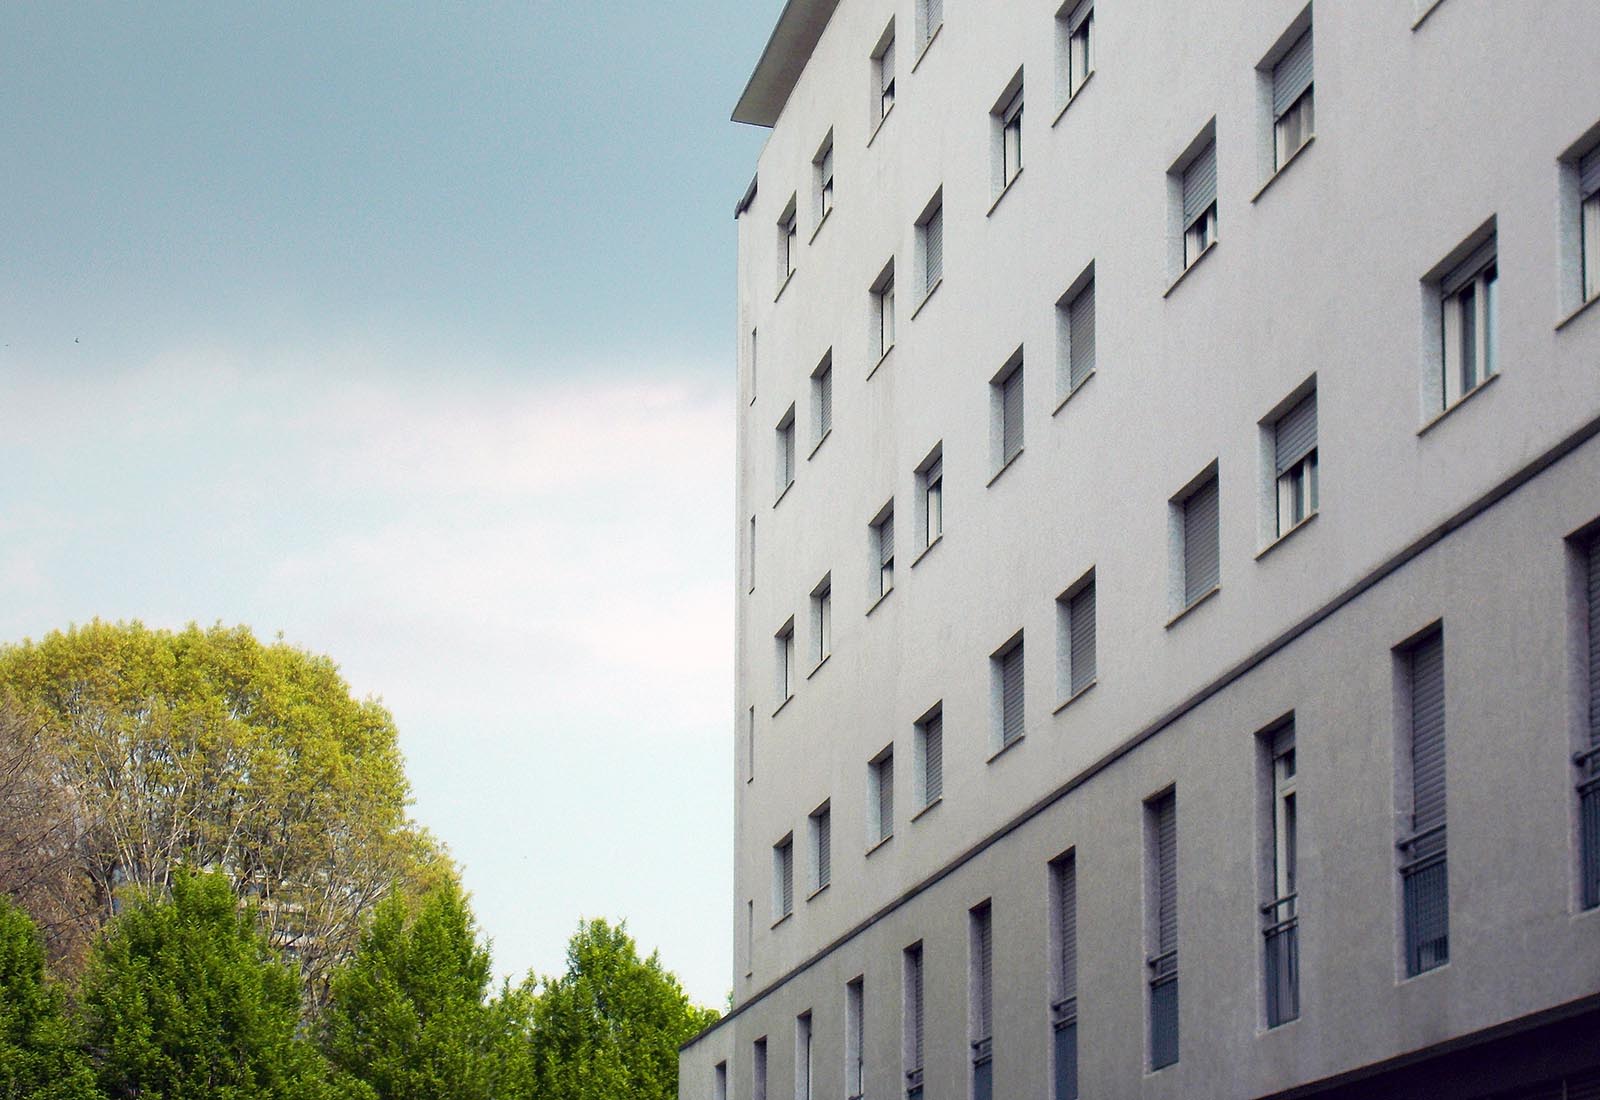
pixel 39 1056
pixel 612 1024
pixel 186 1000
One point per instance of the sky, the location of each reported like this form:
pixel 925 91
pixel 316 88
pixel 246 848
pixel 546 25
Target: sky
pixel 407 332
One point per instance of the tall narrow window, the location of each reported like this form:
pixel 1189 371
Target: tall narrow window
pixel 822 400
pixel 1162 921
pixel 1200 538
pixel 880 791
pixel 883 310
pixel 1075 329
pixel 786 665
pixel 1077 26
pixel 883 549
pixel 1076 633
pixel 930 15
pixel 754 334
pixel 1589 222
pixel 913 1021
pixel 855 1040
pixel 788 241
pixel 1200 203
pixel 1292 101
pixel 758 1069
pixel 1006 121
pixel 1064 974
pixel 750 562
pixel 802 1056
pixel 930 243
pixel 930 757
pixel 824 176
pixel 822 620
pixel 1008 692
pixel 1295 463
pixel 1469 297
pixel 750 746
pixel 1588 760
pixel 883 70
pixel 749 937
pixel 982 1008
pixel 821 827
pixel 1006 402
pixel 783 878
pixel 785 464
pixel 930 481
pixel 1281 912
pixel 720 1086
pixel 1423 873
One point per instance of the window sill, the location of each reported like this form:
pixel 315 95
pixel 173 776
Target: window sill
pixel 783 286
pixel 881 360
pixel 1004 467
pixel 1286 536
pixel 1282 168
pixel 815 894
pixel 1071 99
pixel 786 917
pixel 1427 10
pixel 779 499
pixel 1004 191
pixel 1573 316
pixel 820 223
pixel 1462 400
pixel 878 844
pixel 1073 392
pixel 937 539
pixel 923 50
pixel 817 446
pixel 781 705
pixel 927 808
pixel 873 606
pixel 1203 598
pixel 1007 747
pixel 817 667
pixel 1075 696
pixel 1432 970
pixel 1184 274
pixel 879 125
pixel 937 283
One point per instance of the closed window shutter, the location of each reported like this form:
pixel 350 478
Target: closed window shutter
pixel 886 540
pixel 1200 185
pixel 886 797
pixel 1011 415
pixel 1080 615
pixel 1296 432
pixel 787 869
pixel 1167 875
pixel 1011 695
pixel 1467 272
pixel 824 403
pixel 982 973
pixel 886 66
pixel 914 1004
pixel 933 233
pixel 1427 735
pixel 824 848
pixel 827 166
pixel 1594 642
pixel 933 756
pixel 1201 549
pixel 1292 75
pixel 1066 902
pixel 1083 11
pixel 1589 174
pixel 1080 335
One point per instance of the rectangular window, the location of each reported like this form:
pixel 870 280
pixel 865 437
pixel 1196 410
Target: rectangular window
pixel 883 549
pixel 1295 463
pixel 930 243
pixel 1469 297
pixel 880 790
pixel 786 665
pixel 802 1056
pixel 1075 334
pixel 1077 28
pixel 750 746
pixel 913 1015
pixel 930 757
pixel 749 937
pixel 783 878
pixel 1076 631
pixel 930 15
pixel 883 71
pixel 1008 692
pixel 824 176
pixel 1280 913
pixel 750 560
pixel 1292 101
pixel 785 465
pixel 821 827
pixel 855 1040
pixel 1161 828
pixel 822 400
pixel 1200 536
pixel 1589 222
pixel 1423 873
pixel 752 379
pixel 758 1069
pixel 883 310
pixel 720 1087
pixel 1199 190
pixel 788 241
pixel 930 484
pixel 1006 123
pixel 822 620
pixel 982 997
pixel 1005 391
pixel 1588 758
pixel 1064 974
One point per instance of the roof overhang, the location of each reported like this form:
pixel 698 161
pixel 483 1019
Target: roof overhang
pixel 782 62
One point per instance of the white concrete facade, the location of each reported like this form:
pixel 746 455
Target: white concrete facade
pixel 1326 275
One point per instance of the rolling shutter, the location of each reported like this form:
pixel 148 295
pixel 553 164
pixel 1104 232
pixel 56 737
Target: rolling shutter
pixel 931 21
pixel 786 877
pixel 824 402
pixel 1200 185
pixel 1201 549
pixel 1080 615
pixel 982 973
pixel 1291 76
pixel 1066 905
pixel 1166 812
pixel 886 540
pixel 1082 12
pixel 933 234
pixel 933 757
pixel 1589 174
pixel 824 848
pixel 1011 415
pixel 1011 711
pixel 1296 432
pixel 1427 735
pixel 885 770
pixel 914 1005
pixel 1594 641
pixel 1080 335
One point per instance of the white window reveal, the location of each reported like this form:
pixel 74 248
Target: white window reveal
pixel 1469 306
pixel 1292 101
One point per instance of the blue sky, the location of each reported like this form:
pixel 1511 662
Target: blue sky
pixel 408 332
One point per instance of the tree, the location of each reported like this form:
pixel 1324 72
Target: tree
pixel 207 748
pixel 39 1056
pixel 185 999
pixel 612 1024
pixel 408 1013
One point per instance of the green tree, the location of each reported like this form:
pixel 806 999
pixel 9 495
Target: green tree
pixel 409 1013
pixel 185 999
pixel 39 1056
pixel 612 1024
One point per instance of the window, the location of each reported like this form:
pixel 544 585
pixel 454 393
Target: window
pixel 883 310
pixel 855 1039
pixel 1195 513
pixel 930 495
pixel 1007 692
pixel 1005 399
pixel 981 985
pixel 1589 222
pixel 1588 758
pixel 880 792
pixel 1197 199
pixel 883 73
pixel 1006 122
pixel 721 1083
pixel 822 400
pixel 750 562
pixel 1075 334
pixel 786 665
pixel 1076 41
pixel 788 242
pixel 1064 973
pixel 802 1056
pixel 1280 913
pixel 749 937
pixel 1161 829
pixel 785 464
pixel 883 549
pixel 750 746
pixel 1468 303
pixel 821 825
pixel 752 364
pixel 1423 875
pixel 930 242
pixel 1075 632
pixel 913 1016
pixel 758 1069
pixel 823 169
pixel 930 757
pixel 930 16
pixel 822 620
pixel 783 878
pixel 1294 463
pixel 1293 120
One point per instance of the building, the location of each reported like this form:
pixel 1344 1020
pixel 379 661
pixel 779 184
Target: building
pixel 1169 602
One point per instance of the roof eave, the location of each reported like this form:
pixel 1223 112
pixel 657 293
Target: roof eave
pixel 788 50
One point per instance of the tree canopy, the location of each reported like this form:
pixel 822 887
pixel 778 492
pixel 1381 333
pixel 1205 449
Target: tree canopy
pixel 39 1054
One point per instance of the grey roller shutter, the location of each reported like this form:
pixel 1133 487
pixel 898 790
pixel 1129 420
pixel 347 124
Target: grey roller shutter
pixel 914 1004
pixel 886 66
pixel 982 973
pixel 1292 75
pixel 824 403
pixel 1079 14
pixel 1296 432
pixel 1200 184
pixel 1201 548
pixel 1080 616
pixel 1066 905
pixel 1594 642
pixel 1011 695
pixel 1011 415
pixel 886 797
pixel 1167 875
pixel 824 848
pixel 933 757
pixel 786 880
pixel 886 540
pixel 1589 174
pixel 1080 335
pixel 933 234
pixel 1427 735
pixel 935 16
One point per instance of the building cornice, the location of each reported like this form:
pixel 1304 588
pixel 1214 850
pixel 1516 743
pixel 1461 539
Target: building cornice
pixel 788 50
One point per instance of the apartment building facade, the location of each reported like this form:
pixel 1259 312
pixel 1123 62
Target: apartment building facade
pixel 1168 612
